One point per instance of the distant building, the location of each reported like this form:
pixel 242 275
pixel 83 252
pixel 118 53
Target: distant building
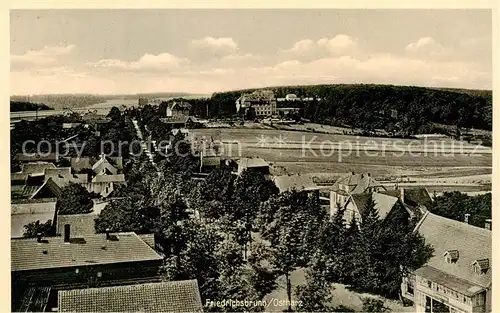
pixel 350 184
pixel 36 157
pixel 458 277
pixel 25 212
pixel 177 109
pixel 170 296
pixel 262 101
pixel 297 182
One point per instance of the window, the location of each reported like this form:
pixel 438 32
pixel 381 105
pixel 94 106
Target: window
pixel 429 284
pixel 409 289
pixel 77 271
pixel 99 274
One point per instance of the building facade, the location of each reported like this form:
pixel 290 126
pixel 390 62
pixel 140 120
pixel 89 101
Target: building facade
pixel 457 278
pixel 262 101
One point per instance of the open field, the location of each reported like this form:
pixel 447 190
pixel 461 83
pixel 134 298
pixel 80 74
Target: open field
pixel 439 162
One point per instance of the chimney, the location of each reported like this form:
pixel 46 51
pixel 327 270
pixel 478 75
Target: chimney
pixel 369 175
pixel 487 224
pixel 67 234
pixel 39 237
pixel 467 218
pixel 107 233
pixel 352 172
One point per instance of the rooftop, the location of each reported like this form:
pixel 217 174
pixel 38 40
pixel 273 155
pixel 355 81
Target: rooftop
pixel 357 183
pixel 252 162
pixel 25 213
pixel 473 243
pixel 28 254
pixel 172 296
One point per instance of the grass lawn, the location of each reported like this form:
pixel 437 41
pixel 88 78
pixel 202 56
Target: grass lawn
pixel 341 295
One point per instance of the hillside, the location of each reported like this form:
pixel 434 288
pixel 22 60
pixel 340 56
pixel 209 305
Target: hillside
pixel 16 106
pixel 401 109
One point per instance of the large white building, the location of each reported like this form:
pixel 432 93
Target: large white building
pixel 262 101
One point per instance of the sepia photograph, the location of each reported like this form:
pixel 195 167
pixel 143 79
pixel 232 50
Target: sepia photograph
pixel 251 160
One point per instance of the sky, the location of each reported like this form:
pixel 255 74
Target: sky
pixel 203 51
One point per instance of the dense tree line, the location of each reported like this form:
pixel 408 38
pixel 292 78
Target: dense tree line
pixel 400 109
pixel 456 205
pixel 16 106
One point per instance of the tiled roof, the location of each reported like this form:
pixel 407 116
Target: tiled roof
pixel 27 254
pixel 172 296
pixel 37 168
pixel 34 299
pixel 18 177
pixel 119 178
pixel 149 239
pixel 473 243
pixel 56 171
pixel 294 182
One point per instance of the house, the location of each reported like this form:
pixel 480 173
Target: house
pixel 168 296
pixel 458 277
pixel 70 125
pixel 297 182
pixel 70 262
pixel 414 202
pixel 25 212
pixel 262 101
pixel 350 184
pixel 104 167
pixel 177 109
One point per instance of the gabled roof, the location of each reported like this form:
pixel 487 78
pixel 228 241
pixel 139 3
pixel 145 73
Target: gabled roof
pixel 294 182
pixel 417 196
pixel 119 178
pixel 28 254
pixel 103 163
pixel 383 203
pixel 357 183
pixel 171 296
pixel 49 186
pixel 473 243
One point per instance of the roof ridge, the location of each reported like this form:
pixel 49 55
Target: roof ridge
pixel 193 282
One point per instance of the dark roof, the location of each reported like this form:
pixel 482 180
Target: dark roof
pixel 172 296
pixel 49 185
pixel 417 196
pixel 473 243
pixel 27 254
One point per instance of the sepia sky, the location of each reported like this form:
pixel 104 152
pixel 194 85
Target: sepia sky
pixel 202 51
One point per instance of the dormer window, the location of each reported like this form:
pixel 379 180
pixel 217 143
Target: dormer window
pixel 451 256
pixel 481 266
